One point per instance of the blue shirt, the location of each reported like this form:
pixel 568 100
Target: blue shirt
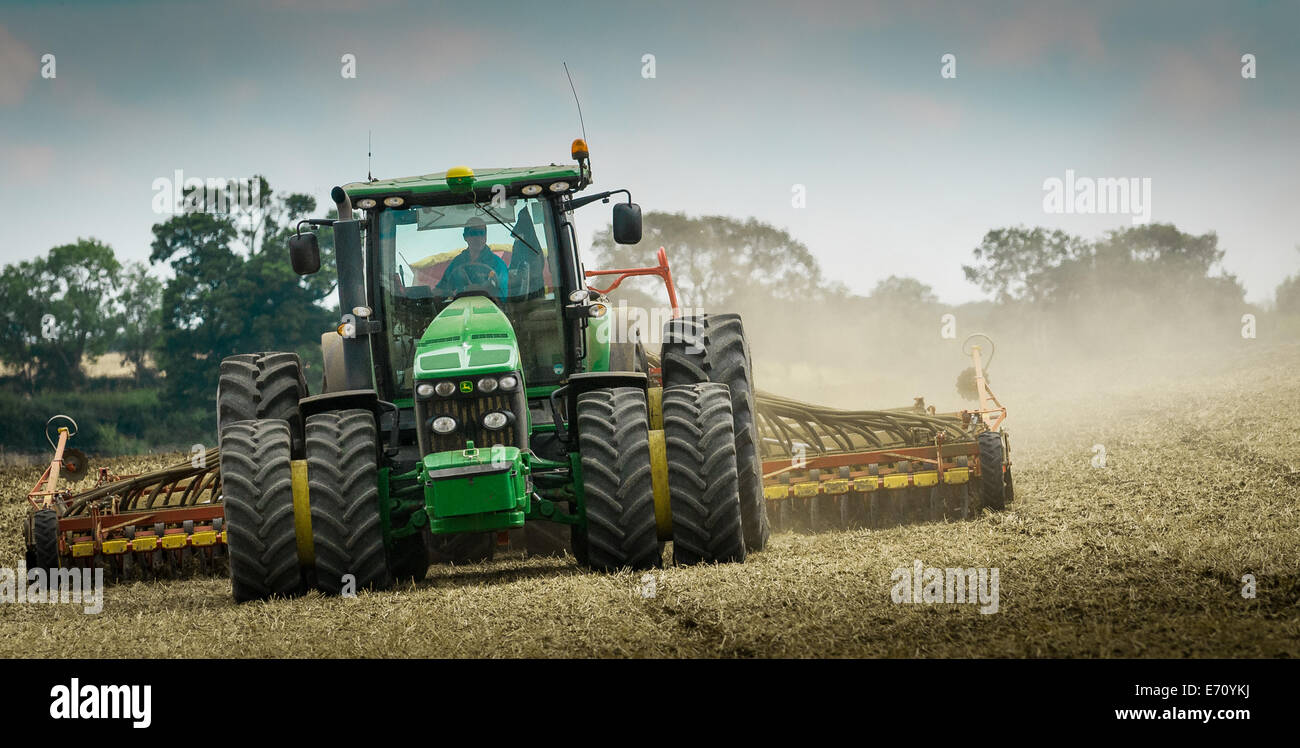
pixel 486 257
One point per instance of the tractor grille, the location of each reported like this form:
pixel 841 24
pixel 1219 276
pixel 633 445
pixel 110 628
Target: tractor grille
pixel 468 412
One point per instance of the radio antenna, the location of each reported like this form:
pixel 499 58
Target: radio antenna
pixel 581 124
pixel 370 156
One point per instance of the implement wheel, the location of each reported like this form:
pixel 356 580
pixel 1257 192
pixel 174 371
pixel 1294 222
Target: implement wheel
pixel 261 387
pixel 702 480
pixel 713 348
pixel 993 483
pixel 342 472
pixel 1010 492
pixel 43 551
pixel 614 441
pixel 257 490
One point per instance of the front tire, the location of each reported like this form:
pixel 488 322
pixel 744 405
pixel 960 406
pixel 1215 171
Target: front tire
pixel 257 490
pixel 614 441
pixel 342 472
pixel 702 479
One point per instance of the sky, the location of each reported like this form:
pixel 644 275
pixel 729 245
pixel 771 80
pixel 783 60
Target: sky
pixel 750 107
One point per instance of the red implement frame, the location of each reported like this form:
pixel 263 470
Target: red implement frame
pixel 660 270
pixel 991 409
pixel 46 490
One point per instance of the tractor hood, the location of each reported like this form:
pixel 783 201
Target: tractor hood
pixel 470 336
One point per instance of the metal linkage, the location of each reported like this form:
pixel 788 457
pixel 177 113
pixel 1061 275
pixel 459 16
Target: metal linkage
pixel 791 427
pixel 180 485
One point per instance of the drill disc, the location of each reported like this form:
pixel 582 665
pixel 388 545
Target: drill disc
pixel 75 465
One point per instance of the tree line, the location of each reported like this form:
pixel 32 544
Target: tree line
pixel 228 288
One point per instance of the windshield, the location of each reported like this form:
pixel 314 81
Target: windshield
pixel 504 248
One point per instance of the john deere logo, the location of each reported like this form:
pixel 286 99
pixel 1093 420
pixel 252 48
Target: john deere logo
pixel 467 387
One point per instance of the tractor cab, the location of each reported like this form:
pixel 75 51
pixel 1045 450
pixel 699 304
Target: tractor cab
pixel 433 247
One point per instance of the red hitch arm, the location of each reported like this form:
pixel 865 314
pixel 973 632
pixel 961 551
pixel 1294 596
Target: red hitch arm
pixel 660 270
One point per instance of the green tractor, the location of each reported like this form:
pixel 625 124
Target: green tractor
pixel 477 389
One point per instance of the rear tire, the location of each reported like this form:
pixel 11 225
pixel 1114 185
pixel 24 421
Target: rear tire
pixel 260 387
pixel 702 477
pixel 342 473
pixel 257 491
pixel 614 441
pixel 713 348
pixel 992 481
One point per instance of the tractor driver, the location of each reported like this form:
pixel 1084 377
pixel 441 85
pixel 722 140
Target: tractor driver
pixel 475 266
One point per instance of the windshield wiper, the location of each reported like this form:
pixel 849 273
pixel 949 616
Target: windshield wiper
pixel 483 207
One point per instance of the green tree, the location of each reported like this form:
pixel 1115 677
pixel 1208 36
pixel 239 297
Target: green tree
pixel 140 315
pixel 1020 264
pixel 716 259
pixel 58 309
pixel 910 293
pixel 222 301
pixel 1155 262
pixel 21 311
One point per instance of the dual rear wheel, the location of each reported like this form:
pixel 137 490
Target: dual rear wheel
pixel 262 432
pixel 622 528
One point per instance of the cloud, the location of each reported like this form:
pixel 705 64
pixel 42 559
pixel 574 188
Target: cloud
pixel 922 109
pixel 1034 33
pixel 1197 80
pixel 28 162
pixel 19 66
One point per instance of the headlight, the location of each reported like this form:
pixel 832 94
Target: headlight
pixel 446 389
pixel 444 424
pixel 487 384
pixel 508 382
pixel 531 189
pixel 366 203
pixel 394 202
pixel 424 390
pixel 559 186
pixel 495 420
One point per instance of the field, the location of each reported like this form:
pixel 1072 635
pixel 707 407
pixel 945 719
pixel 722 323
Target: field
pixel 1143 557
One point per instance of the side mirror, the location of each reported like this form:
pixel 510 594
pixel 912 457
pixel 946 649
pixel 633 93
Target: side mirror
pixel 627 223
pixel 304 253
